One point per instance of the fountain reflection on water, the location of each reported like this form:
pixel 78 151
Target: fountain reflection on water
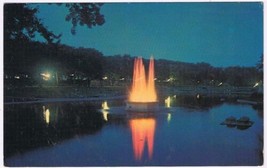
pixel 143 130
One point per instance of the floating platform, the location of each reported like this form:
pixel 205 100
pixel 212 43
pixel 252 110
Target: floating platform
pixel 142 106
pixel 242 123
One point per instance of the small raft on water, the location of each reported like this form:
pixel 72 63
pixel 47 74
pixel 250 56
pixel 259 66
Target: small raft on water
pixel 230 121
pixel 242 123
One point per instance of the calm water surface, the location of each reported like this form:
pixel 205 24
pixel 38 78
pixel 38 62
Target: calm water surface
pixel 79 134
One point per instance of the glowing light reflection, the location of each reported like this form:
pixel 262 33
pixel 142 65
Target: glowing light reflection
pixel 46 114
pixel 169 117
pixel 105 115
pixel 143 131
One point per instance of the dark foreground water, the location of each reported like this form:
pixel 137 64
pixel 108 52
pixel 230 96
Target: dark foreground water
pixel 78 134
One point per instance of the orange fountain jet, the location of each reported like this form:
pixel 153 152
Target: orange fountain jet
pixel 143 90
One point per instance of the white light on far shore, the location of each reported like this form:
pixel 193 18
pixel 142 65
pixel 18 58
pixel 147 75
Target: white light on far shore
pixel 256 84
pixel 17 77
pixel 46 76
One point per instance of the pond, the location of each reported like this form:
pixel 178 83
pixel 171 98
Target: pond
pixel 188 133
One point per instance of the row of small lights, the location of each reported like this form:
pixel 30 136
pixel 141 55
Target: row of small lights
pixel 47 76
pixel 172 79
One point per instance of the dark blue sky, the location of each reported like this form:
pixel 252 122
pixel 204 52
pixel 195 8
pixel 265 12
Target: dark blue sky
pixel 222 34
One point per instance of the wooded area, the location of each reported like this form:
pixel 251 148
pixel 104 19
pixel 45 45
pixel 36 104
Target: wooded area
pixel 25 62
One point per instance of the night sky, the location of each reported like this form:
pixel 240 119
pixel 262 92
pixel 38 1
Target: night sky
pixel 221 34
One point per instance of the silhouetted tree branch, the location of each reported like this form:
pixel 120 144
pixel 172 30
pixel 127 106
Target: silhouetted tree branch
pixel 21 22
pixel 84 14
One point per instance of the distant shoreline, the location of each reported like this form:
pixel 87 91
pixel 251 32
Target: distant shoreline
pixel 55 100
pixel 75 93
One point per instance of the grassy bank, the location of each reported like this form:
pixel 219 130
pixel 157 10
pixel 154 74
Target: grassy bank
pixel 35 92
pixel 31 93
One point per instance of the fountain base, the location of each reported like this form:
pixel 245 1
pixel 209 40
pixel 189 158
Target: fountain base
pixel 142 106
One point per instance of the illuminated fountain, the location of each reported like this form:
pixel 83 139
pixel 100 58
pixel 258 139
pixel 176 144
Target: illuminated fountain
pixel 143 95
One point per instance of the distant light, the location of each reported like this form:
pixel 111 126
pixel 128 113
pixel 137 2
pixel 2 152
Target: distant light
pixel 168 102
pixel 174 96
pixel 122 79
pixel 198 96
pixel 46 76
pixel 155 78
pixel 256 84
pixel 220 84
pixel 17 77
pixel 170 79
pixel 105 78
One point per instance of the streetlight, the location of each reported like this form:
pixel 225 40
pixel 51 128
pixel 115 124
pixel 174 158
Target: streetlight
pixel 46 76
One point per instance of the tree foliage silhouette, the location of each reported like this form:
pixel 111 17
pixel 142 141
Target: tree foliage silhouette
pixel 22 23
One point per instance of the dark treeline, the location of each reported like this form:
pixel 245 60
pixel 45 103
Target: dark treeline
pixel 180 73
pixel 25 62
